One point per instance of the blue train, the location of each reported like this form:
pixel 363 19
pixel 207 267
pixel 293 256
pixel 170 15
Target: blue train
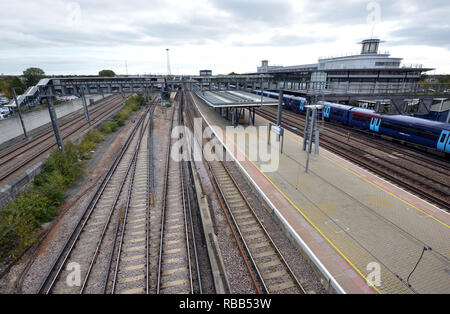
pixel 290 102
pixel 420 131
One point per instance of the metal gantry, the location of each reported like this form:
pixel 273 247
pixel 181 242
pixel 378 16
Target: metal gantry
pixel 312 129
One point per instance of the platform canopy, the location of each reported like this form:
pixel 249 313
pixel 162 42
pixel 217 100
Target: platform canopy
pixel 234 98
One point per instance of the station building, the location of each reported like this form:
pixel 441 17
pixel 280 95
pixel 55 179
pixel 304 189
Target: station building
pixel 369 71
pixel 205 72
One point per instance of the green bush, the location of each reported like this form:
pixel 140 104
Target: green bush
pixel 17 232
pixel 20 220
pixel 95 136
pixel 109 126
pixel 67 164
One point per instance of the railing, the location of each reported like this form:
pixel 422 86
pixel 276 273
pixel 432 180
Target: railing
pixel 377 88
pixel 350 54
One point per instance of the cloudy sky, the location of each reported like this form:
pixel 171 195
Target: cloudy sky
pixel 85 36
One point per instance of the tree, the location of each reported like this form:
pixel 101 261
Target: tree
pixel 106 73
pixel 15 82
pixel 32 76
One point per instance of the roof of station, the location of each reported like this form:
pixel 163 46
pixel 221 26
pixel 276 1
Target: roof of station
pixel 235 98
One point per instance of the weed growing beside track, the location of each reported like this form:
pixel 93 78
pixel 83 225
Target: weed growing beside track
pixel 132 104
pixel 21 219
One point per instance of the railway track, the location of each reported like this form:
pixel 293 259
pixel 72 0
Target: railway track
pixel 267 267
pixel 20 156
pixel 175 274
pixel 429 180
pixel 272 270
pixel 113 242
pixel 374 141
pixel 130 259
pixel 88 249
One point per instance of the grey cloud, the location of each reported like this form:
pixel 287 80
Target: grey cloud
pixel 351 12
pixel 286 41
pixel 422 35
pixel 111 24
pixel 262 11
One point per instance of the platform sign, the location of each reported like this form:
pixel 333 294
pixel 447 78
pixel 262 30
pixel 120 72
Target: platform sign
pixel 276 129
pixel 279 131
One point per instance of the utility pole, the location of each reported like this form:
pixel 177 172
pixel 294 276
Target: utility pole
pixel 168 62
pixel 52 113
pixel 280 108
pixel 86 110
pixel 19 111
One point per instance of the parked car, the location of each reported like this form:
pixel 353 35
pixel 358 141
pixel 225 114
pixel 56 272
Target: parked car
pixel 2 116
pixel 4 111
pixel 4 100
pixel 61 98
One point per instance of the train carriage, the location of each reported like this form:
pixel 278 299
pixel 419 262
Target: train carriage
pixel 421 131
pixel 336 112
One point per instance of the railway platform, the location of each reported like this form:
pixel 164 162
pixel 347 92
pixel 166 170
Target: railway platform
pixel 367 234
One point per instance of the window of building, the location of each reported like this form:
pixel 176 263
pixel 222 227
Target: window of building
pixel 387 64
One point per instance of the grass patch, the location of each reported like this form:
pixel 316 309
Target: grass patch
pixel 134 103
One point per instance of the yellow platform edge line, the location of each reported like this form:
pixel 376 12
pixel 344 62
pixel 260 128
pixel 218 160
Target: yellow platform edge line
pixel 374 184
pixel 298 209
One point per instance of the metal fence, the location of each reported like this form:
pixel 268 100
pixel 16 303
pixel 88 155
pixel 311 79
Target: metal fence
pixel 371 87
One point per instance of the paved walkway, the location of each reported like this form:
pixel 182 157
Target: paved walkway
pixel 11 127
pixel 354 221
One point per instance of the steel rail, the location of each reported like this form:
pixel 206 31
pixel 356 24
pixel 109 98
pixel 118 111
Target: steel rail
pixel 184 191
pixel 46 147
pixel 73 238
pixel 194 242
pixel 150 189
pixel 166 176
pixel 113 207
pixel 272 243
pixel 222 205
pixel 72 118
pixel 376 167
pixel 127 206
pixel 106 280
pixel 430 160
pixel 222 195
pixel 369 145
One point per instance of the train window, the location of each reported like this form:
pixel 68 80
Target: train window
pixel 443 138
pixel 360 118
pixel 428 134
pixel 337 112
